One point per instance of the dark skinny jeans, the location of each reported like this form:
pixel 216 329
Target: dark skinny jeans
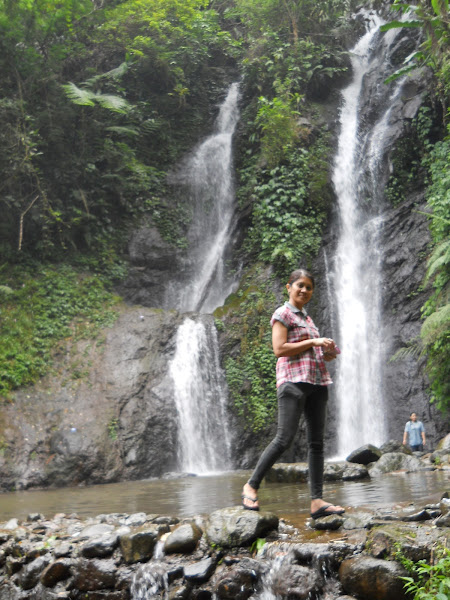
pixel 293 399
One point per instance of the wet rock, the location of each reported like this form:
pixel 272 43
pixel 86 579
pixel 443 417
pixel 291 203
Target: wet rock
pixel 238 582
pixel 372 579
pixel 55 572
pixel 394 446
pixel 34 517
pixel 139 545
pixel 63 549
pixel 358 520
pixel 395 461
pixel 422 515
pixel 95 531
pixel 232 527
pixel 415 542
pixel 355 472
pixel 444 505
pixel 332 522
pixel 183 539
pixel 100 547
pixel 443 521
pixel 334 471
pixel 94 574
pixel 200 571
pixel 296 582
pixel 288 473
pixel 31 572
pixel 364 455
pixel 444 443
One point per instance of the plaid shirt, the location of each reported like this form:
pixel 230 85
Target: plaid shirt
pixel 308 366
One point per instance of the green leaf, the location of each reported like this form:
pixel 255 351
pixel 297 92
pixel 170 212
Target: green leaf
pixel 399 24
pixel 78 95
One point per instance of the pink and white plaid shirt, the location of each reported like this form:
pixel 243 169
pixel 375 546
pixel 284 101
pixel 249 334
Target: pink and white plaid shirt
pixel 309 366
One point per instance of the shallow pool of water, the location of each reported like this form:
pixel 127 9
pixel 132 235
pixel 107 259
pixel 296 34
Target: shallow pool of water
pixel 187 496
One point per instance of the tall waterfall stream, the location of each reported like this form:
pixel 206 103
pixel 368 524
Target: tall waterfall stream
pixel 355 281
pixel 199 384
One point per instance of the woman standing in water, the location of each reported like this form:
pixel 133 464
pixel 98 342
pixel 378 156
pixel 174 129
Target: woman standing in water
pixel 302 380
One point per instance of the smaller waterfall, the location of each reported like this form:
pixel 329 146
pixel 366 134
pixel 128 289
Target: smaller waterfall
pixel 208 177
pixel 200 398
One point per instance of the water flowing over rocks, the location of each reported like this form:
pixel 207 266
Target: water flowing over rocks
pixel 143 557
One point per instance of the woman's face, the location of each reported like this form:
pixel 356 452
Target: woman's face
pixel 300 291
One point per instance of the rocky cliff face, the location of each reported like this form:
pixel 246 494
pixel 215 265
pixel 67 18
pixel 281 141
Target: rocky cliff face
pixel 116 421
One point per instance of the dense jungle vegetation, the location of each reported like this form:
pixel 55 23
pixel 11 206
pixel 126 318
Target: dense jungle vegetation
pixel 99 99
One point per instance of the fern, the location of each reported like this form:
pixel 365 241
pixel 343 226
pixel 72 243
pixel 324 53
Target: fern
pixel 78 95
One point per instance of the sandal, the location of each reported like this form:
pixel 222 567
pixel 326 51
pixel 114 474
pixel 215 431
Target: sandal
pixel 244 496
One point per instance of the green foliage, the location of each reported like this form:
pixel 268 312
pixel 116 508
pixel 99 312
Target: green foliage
pixel 277 120
pixel 435 332
pixel 48 305
pixel 251 372
pixel 428 581
pixel 290 204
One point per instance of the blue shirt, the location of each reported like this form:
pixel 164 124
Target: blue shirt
pixel 414 430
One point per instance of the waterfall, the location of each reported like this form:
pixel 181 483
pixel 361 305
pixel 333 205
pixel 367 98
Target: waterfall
pixel 359 177
pixel 200 398
pixel 199 383
pixel 208 177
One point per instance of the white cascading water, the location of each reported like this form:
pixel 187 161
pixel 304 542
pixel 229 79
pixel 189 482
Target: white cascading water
pixel 208 177
pixel 200 397
pixel 356 279
pixel 199 383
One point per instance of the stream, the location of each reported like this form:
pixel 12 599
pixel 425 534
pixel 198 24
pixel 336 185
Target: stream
pixel 195 495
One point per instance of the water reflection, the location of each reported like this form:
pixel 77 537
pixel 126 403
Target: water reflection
pixel 189 496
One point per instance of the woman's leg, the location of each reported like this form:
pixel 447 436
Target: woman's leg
pixel 315 413
pixel 291 401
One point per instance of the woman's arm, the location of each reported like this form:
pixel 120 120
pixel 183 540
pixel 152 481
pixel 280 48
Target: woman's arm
pixel 282 347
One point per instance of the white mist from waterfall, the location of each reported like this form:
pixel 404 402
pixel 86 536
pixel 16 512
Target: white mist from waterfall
pixel 200 392
pixel 356 273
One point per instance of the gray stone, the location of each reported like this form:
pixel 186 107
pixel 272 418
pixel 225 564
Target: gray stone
pixel 355 472
pixel 332 522
pixel 139 545
pixel 372 579
pixel 444 443
pixel 100 547
pixel 394 446
pixel 183 539
pixel 57 571
pixel 358 520
pixel 95 531
pixel 94 574
pixel 288 473
pixel 296 582
pixel 200 571
pixel 395 461
pixel 232 527
pixel 365 455
pixel 444 505
pixel 31 572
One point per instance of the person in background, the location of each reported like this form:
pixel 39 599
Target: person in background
pixel 302 388
pixel 414 434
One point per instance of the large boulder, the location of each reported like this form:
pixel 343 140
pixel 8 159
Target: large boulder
pixel 395 461
pixel 364 455
pixel 372 578
pixel 235 526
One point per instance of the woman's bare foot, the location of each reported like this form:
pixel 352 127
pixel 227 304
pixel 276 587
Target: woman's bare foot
pixel 250 497
pixel 320 508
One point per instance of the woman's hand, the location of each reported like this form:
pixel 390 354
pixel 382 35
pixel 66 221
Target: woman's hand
pixel 327 344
